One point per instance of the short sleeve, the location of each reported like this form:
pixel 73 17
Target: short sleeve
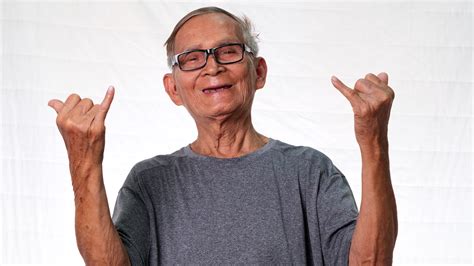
pixel 131 220
pixel 337 215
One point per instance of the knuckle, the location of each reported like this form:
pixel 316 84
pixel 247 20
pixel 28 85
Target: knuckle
pixel 353 93
pixel 364 111
pixel 388 96
pixel 97 131
pixel 391 93
pixel 359 83
pixel 88 101
pixel 69 125
pixel 85 104
pixel 74 96
pixel 59 118
pixel 372 86
pixel 59 121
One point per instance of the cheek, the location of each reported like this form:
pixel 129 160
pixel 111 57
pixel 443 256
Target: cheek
pixel 185 86
pixel 250 82
pixel 248 76
pixel 247 88
pixel 251 74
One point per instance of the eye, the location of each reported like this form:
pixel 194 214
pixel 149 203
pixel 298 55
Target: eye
pixel 229 50
pixel 191 57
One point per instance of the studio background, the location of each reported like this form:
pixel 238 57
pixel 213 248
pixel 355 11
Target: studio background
pixel 51 49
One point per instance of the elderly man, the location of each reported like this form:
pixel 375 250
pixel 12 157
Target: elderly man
pixel 233 195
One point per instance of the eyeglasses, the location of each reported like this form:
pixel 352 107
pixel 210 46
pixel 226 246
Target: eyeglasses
pixel 224 54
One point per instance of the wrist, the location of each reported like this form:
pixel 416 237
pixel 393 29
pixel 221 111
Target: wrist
pixel 375 150
pixel 375 143
pixel 87 181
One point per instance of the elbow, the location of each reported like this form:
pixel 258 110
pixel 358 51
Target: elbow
pixel 374 247
pixel 355 260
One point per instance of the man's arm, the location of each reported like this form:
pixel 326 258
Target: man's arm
pixel 375 234
pixel 81 123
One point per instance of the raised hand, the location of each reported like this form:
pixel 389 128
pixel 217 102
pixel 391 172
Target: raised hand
pixel 371 101
pixel 81 123
pixel 376 229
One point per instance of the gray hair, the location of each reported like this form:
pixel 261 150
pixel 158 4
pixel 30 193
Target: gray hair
pixel 244 24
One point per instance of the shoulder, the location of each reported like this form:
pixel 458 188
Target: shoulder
pixel 306 153
pixel 307 158
pixel 158 163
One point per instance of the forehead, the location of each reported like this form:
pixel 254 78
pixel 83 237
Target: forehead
pixel 207 31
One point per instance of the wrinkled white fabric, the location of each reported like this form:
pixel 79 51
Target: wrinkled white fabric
pixel 50 49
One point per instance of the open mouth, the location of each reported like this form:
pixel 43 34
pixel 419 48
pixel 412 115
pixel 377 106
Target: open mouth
pixel 216 89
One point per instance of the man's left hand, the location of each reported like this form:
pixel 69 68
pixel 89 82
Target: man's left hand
pixel 371 101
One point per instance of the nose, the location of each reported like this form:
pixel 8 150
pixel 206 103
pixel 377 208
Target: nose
pixel 212 67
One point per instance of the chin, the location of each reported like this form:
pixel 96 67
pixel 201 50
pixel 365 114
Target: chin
pixel 228 111
pixel 220 114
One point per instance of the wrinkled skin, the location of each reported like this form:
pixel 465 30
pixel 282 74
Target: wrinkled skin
pixel 81 124
pixel 376 230
pixel 225 130
pixel 371 101
pixel 223 118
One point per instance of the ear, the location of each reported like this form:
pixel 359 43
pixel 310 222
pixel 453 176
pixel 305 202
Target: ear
pixel 170 87
pixel 261 69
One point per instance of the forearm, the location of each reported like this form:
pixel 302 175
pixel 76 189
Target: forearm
pixel 374 237
pixel 97 238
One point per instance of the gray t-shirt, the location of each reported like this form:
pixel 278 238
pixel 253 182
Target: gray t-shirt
pixel 280 204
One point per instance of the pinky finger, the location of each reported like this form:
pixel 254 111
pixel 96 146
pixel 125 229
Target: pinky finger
pixel 340 86
pixel 105 105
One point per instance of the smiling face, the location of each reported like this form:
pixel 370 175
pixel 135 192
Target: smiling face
pixel 215 91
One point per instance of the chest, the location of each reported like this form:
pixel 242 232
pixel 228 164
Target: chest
pixel 228 214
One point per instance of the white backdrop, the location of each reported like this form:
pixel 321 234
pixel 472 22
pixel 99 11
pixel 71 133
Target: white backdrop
pixel 50 49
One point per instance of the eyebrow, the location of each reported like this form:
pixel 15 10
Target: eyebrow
pixel 197 47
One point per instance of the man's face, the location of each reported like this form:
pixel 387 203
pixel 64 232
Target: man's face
pixel 214 91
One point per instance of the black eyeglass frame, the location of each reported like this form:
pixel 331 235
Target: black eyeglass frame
pixel 245 48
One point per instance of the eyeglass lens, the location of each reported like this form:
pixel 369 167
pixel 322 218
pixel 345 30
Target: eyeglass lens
pixel 224 55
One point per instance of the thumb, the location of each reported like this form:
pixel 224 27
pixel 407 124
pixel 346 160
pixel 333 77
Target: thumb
pixel 383 77
pixel 57 105
pixel 105 105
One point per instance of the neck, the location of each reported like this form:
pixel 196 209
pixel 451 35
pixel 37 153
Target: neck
pixel 227 139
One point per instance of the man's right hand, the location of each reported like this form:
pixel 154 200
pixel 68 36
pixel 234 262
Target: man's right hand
pixel 81 123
